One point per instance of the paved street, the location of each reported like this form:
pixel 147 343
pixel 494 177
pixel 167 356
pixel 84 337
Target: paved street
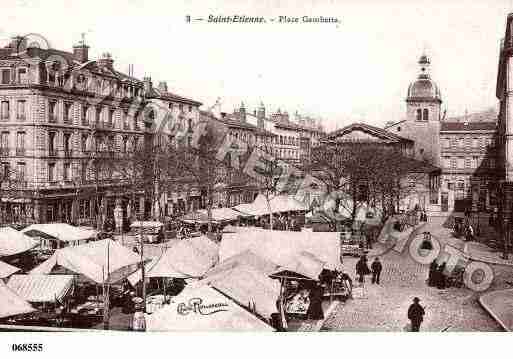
pixel 384 307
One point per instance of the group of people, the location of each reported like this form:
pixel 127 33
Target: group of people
pixel 281 223
pixel 362 269
pixel 437 278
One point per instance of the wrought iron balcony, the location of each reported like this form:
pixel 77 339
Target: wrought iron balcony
pixel 20 152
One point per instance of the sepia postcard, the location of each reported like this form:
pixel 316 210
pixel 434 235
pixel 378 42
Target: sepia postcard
pixel 254 166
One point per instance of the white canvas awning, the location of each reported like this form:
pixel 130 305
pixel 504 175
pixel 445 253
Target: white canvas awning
pixel 41 288
pixel 222 214
pixel 285 248
pixel 100 261
pixel 247 286
pixel 14 242
pixel 7 270
pixel 11 304
pixel 146 224
pixel 190 258
pixel 60 231
pixel 204 309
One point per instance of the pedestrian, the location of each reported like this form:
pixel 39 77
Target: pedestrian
pixel 432 273
pixel 315 311
pixel 416 315
pixel 440 276
pixel 376 270
pixel 470 233
pixel 362 269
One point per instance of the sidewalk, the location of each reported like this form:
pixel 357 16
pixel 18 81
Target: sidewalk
pixel 500 306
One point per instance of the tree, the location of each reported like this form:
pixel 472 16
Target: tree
pixel 366 173
pixel 208 173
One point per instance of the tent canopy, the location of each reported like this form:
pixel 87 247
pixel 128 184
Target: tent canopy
pixel 40 288
pixel 60 231
pixel 222 214
pixel 285 248
pixel 92 260
pixel 203 309
pixel 6 270
pixel 11 303
pixel 278 204
pixel 14 242
pixel 146 224
pixel 247 257
pixel 189 258
pixel 248 287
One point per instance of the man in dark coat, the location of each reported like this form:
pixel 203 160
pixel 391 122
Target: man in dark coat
pixel 440 276
pixel 362 269
pixel 432 273
pixel 315 311
pixel 416 315
pixel 376 268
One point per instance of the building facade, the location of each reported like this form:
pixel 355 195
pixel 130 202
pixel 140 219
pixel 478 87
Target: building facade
pixel 463 147
pixel 64 116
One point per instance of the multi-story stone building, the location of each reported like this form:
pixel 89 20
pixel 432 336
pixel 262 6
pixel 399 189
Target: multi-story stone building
pixel 62 116
pixel 463 147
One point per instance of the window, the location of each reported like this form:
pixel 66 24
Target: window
pixel 20 111
pixel 22 76
pixel 491 163
pixel 461 184
pixel 6 170
pixel 85 108
pixel 419 114
pixel 98 115
pixel 467 162
pixel 67 112
pixel 467 142
pixel 475 142
pixel 4 143
pixel 190 108
pixel 475 162
pixel 52 111
pixel 124 145
pixel 111 117
pixel 180 107
pixel 6 76
pixel 20 144
pixel 83 172
pixel 67 144
pixel 83 143
pixel 5 110
pixel 51 172
pixel 426 115
pixel 453 162
pixel 67 171
pixel 20 171
pixel 399 129
pixel 170 105
pixel 51 143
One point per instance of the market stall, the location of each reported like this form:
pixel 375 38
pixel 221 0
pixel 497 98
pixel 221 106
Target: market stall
pixel 13 242
pixel 204 309
pixel 41 288
pixel 153 231
pixel 247 286
pixel 59 235
pixel 6 270
pixel 11 304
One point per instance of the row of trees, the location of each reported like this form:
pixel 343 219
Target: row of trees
pixel 355 174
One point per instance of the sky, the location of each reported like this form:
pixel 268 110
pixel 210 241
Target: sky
pixel 355 71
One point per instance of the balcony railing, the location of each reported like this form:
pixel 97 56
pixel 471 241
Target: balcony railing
pixel 4 117
pixel 85 122
pixel 52 182
pixel 52 119
pixel 67 120
pixel 52 152
pixel 68 153
pixel 20 152
pixel 21 117
pixel 4 151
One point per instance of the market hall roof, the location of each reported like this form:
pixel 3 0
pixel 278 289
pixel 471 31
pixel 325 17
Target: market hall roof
pixel 364 132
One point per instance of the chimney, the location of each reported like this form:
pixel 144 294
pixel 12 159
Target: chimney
pixel 162 86
pixel 148 85
pixel 81 51
pixel 242 112
pixel 106 61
